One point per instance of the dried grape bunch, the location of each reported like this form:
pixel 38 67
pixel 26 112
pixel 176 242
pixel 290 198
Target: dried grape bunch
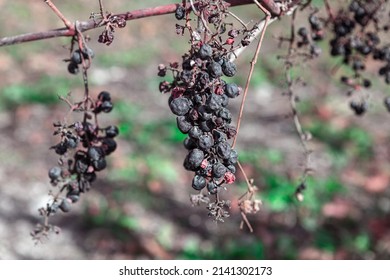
pixel 83 149
pixel 199 96
pixel 358 37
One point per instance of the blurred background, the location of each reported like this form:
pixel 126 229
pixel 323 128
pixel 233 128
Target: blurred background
pixel 139 207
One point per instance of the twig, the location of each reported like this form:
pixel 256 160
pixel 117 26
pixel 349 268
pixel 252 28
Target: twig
pixel 245 219
pixel 245 176
pixel 67 23
pixel 253 63
pixel 329 10
pixel 303 137
pixel 102 12
pixel 256 33
pixel 193 8
pixel 238 19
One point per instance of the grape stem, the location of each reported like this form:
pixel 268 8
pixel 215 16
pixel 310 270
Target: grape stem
pixel 253 63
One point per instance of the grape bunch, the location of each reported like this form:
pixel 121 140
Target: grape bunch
pixel 357 39
pixel 308 38
pixel 199 98
pixel 83 149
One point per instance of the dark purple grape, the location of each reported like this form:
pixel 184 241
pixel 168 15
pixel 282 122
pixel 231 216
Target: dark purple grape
pixel 205 142
pixel 111 131
pixel 76 57
pixel 194 159
pixel 229 69
pixel 88 53
pixel 223 150
pixel 219 136
pixel 358 107
pixel 189 143
pixel 106 106
pixel 180 12
pixel 73 197
pixel 214 69
pixel 214 102
pixel 95 153
pixel 104 96
pixel 108 145
pixel 232 90
pixel 183 125
pixel 81 163
pixel 224 100
pixel 233 157
pixel 199 182
pixel 204 126
pixel 60 148
pixel 55 173
pixel 231 168
pixel 212 188
pixel 195 132
pixel 225 114
pixel 99 164
pixel 71 142
pixel 180 106
pixel 219 170
pixel 73 68
pixel 65 205
pixel 205 51
pixel 203 113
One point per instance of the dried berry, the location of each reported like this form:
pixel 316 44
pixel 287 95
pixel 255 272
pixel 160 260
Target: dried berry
pixel 199 182
pixel 229 69
pixel 205 142
pixel 180 106
pixel 194 159
pixel 205 51
pixel 183 125
pixel 112 131
pixel 104 96
pixel 65 205
pixel 55 173
pixel 214 69
pixel 180 13
pixel 232 90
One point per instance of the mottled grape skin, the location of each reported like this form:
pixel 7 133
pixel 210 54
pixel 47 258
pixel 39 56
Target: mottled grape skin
pixel 212 188
pixel 229 69
pixel 183 125
pixel 223 150
pixel 55 173
pixel 180 13
pixel 219 170
pixel 205 142
pixel 199 182
pixel 232 90
pixel 214 69
pixel 205 51
pixel 194 159
pixel 180 106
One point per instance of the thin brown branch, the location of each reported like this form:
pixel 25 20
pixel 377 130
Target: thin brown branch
pixel 252 67
pixel 67 23
pixel 303 137
pixel 68 31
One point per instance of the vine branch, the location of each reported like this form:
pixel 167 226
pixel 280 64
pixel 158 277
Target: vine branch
pixel 70 30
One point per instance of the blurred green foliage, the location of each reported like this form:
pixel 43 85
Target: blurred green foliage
pixel 44 91
pixel 351 141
